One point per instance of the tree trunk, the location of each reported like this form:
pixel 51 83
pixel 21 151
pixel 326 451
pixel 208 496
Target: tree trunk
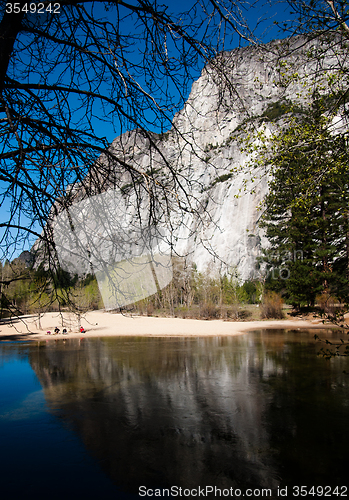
pixel 347 244
pixel 325 266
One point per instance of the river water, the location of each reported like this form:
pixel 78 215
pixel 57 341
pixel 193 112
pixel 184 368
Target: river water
pixel 118 417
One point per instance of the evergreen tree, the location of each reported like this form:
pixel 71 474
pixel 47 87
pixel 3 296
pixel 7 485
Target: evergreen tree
pixel 306 214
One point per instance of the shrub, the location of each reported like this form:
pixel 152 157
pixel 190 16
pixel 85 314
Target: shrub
pixel 150 309
pixel 327 303
pixel 182 312
pixel 271 306
pixel 209 311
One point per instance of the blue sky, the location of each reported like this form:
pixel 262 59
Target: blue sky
pixel 260 19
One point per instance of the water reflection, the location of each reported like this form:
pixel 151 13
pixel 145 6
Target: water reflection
pixel 233 412
pixel 254 411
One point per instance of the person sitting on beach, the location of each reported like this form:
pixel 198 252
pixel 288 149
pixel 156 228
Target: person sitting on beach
pixel 56 330
pixel 65 331
pixel 82 329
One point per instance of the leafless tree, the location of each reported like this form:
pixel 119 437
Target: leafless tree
pixel 69 70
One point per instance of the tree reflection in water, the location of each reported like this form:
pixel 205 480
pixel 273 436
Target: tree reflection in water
pixel 238 412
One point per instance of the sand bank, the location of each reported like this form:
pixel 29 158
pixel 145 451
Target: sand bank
pixel 103 324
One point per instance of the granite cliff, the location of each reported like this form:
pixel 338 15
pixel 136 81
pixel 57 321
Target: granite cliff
pixel 210 214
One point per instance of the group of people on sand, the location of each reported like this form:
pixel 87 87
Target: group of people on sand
pixel 56 331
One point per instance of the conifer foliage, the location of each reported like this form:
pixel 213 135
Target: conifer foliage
pixel 306 210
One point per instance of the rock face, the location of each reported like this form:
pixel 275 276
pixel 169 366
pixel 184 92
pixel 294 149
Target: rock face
pixel 208 210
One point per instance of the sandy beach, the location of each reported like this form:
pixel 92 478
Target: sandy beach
pixel 103 324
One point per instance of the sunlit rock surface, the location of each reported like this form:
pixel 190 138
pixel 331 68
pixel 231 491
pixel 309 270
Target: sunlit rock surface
pixel 220 230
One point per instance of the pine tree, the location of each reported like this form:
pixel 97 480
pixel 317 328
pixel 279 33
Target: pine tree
pixel 306 210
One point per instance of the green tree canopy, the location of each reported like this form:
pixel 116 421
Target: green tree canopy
pixel 306 210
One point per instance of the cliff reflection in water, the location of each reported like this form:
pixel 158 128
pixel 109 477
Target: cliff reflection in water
pixel 181 411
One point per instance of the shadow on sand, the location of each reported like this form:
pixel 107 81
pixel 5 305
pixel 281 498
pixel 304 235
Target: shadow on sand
pixel 14 321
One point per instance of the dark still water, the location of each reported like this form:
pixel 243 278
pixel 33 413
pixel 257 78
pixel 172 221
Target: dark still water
pixel 99 418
